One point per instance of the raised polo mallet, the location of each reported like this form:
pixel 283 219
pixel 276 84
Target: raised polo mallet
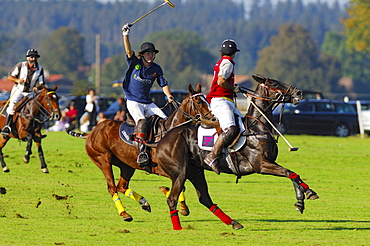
pixel 165 2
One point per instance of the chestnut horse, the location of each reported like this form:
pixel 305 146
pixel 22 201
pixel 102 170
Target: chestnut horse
pixel 28 119
pixel 257 155
pixel 106 149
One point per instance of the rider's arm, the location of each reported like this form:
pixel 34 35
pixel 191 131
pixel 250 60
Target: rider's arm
pixel 127 45
pixel 15 80
pixel 167 91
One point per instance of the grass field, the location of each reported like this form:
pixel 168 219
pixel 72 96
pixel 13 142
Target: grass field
pixel 336 168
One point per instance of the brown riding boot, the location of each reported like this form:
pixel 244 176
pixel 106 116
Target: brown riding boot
pixel 225 139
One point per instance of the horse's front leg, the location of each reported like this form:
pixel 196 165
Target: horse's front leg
pixel 37 138
pixel 197 178
pixel 3 164
pixel 301 188
pixel 26 157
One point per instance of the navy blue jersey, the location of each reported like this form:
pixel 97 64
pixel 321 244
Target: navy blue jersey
pixel 139 80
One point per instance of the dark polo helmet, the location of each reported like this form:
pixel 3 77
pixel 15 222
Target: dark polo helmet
pixel 32 52
pixel 229 47
pixel 147 47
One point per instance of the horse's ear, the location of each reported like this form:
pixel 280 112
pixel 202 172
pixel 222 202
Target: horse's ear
pixel 259 78
pixel 190 89
pixel 199 87
pixel 55 87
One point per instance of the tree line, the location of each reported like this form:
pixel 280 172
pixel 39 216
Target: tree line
pixel 188 38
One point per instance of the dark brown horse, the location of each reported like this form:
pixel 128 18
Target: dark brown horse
pixel 257 155
pixel 106 149
pixel 28 119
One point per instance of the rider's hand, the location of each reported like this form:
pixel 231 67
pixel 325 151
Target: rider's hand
pixel 20 81
pixel 34 89
pixel 170 99
pixel 236 88
pixel 125 29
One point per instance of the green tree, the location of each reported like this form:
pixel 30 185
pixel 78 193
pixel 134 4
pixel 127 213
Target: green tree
pixel 358 26
pixel 182 56
pixel 354 63
pixel 293 57
pixel 63 53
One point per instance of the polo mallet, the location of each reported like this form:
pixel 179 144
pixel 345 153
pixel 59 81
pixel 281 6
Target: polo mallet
pixel 165 2
pixel 291 148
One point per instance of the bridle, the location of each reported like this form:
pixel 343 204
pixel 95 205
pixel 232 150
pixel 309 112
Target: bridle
pixel 45 112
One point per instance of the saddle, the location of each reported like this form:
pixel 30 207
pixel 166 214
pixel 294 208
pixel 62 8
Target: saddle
pixel 127 128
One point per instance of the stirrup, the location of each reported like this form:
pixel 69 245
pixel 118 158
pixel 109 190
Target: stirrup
pixel 143 159
pixel 6 131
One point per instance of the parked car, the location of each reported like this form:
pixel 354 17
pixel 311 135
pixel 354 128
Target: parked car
pixel 158 97
pixel 321 117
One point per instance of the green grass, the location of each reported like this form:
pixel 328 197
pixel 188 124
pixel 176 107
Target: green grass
pixel 336 168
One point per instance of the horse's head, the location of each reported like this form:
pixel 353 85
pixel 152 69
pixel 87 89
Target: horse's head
pixel 195 104
pixel 50 102
pixel 277 90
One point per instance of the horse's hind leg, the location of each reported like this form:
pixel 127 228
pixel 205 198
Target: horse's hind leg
pixel 197 178
pixel 183 209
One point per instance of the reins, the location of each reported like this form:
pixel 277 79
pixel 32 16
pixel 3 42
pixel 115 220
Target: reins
pixel 43 110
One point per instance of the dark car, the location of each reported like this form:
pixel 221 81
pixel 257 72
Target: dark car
pixel 321 117
pixel 158 97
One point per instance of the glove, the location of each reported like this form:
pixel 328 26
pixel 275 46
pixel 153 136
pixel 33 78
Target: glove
pixel 236 88
pixel 125 29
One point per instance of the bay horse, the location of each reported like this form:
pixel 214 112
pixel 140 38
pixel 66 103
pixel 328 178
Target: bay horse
pixel 179 155
pixel 29 116
pixel 106 149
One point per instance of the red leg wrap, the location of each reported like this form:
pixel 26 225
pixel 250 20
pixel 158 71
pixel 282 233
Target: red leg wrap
pixel 220 214
pixel 295 177
pixel 175 220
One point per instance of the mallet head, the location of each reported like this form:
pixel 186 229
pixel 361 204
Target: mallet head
pixel 169 3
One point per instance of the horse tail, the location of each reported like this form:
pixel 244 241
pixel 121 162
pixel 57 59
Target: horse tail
pixel 77 134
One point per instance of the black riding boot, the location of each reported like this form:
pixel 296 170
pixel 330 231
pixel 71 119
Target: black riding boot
pixel 6 129
pixel 143 157
pixel 225 139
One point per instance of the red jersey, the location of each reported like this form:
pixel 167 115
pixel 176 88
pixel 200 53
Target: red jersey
pixel 216 89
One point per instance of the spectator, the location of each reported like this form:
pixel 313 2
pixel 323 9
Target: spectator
pixel 121 112
pixel 92 107
pixel 71 114
pixel 59 125
pixel 101 117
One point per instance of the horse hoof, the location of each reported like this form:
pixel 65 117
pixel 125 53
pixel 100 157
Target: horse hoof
pixel 311 195
pixel 146 207
pixel 236 225
pixel 184 210
pixel 45 170
pixel 26 158
pixel 6 169
pixel 299 206
pixel 164 189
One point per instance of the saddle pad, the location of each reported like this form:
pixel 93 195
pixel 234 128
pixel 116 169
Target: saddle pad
pixel 208 136
pixel 125 131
